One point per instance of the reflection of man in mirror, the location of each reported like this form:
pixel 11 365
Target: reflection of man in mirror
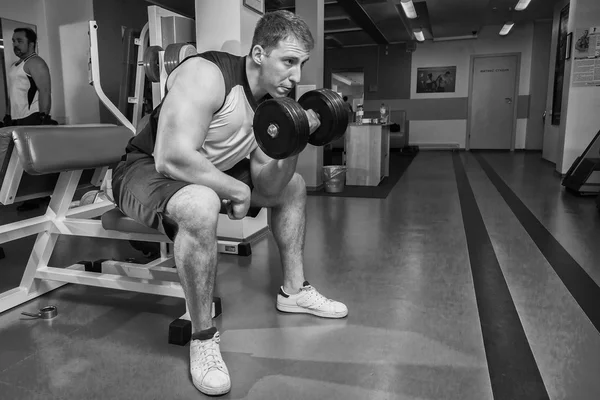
pixel 28 83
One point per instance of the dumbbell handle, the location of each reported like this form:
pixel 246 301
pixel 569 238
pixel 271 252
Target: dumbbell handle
pixel 273 129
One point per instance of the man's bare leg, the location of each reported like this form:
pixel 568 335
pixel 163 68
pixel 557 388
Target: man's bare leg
pixel 288 224
pixel 195 210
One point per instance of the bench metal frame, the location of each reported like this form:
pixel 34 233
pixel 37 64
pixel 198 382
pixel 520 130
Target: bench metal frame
pixel 157 277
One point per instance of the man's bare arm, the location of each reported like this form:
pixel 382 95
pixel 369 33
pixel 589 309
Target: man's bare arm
pixel 37 68
pixel 271 176
pixel 195 91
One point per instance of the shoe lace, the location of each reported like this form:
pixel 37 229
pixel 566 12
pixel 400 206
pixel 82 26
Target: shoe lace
pixel 209 352
pixel 317 298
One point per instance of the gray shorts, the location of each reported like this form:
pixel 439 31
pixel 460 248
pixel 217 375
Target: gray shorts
pixel 142 193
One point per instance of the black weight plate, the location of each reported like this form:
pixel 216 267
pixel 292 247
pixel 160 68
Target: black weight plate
pixel 338 128
pixel 302 126
pixel 289 119
pixel 301 122
pixel 152 63
pixel 176 53
pixel 340 112
pixel 316 101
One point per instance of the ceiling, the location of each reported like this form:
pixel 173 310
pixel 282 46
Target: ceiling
pixel 370 22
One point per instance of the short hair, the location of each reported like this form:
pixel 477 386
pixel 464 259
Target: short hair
pixel 29 34
pixel 280 25
pixel 345 98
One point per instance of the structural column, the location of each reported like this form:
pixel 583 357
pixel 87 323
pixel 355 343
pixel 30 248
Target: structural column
pixel 310 161
pixel 580 119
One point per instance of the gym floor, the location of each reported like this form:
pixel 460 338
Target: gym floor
pixel 477 278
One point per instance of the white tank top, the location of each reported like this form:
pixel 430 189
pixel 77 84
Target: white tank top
pixel 22 91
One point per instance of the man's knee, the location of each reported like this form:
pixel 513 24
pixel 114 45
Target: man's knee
pixel 297 186
pixel 195 210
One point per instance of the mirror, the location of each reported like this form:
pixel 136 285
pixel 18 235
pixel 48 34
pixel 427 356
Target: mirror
pixel 8 57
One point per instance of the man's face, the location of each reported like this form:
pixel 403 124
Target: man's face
pixel 20 44
pixel 281 70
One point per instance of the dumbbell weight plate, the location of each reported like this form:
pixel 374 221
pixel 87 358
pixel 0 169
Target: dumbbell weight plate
pixel 176 53
pixel 337 128
pixel 341 111
pixel 281 128
pixel 152 63
pixel 325 103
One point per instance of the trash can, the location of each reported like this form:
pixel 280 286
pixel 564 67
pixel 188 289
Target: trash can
pixel 334 178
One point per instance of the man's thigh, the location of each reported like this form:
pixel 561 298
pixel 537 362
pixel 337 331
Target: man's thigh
pixel 142 193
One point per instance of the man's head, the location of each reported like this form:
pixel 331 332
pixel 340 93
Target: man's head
pixel 345 98
pixel 280 47
pixel 24 41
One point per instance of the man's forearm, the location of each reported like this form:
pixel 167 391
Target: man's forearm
pixel 275 175
pixel 194 168
pixel 45 102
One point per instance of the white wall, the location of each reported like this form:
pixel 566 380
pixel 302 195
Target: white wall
pixel 224 25
pixel 581 109
pixel 458 53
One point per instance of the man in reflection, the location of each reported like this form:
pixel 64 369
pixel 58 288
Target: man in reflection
pixel 29 88
pixel 29 92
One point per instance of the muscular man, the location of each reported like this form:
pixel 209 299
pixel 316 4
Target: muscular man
pixel 197 150
pixel 28 83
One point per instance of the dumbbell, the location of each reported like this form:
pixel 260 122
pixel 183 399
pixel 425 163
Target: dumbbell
pixel 281 125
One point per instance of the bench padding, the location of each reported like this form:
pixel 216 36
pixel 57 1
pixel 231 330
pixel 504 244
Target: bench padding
pixel 49 149
pixel 115 220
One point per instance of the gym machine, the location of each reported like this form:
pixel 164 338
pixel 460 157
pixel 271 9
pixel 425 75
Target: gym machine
pixel 583 178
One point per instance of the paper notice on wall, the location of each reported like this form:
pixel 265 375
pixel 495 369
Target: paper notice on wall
pixel 586 72
pixel 587 43
pixel 586 66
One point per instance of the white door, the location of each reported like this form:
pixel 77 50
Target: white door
pixel 493 102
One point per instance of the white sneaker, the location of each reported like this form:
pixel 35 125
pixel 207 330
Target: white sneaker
pixel 209 372
pixel 310 301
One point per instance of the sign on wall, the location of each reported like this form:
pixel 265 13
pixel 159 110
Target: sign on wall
pixel 436 80
pixel 586 66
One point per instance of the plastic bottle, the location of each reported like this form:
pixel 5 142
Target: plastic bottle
pixel 359 114
pixel 383 114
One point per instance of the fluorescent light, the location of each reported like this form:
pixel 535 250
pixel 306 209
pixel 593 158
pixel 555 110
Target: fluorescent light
pixel 342 79
pixel 419 35
pixel 409 8
pixel 506 28
pixel 450 38
pixel 522 5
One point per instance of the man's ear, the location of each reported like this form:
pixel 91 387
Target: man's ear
pixel 258 53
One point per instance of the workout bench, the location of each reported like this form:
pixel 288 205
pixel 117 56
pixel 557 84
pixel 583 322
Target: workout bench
pixel 58 161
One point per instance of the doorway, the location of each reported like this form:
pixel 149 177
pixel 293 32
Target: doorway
pixel 350 85
pixel 492 119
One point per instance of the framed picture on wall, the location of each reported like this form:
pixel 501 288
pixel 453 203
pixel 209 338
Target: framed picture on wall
pixel 436 80
pixel 258 6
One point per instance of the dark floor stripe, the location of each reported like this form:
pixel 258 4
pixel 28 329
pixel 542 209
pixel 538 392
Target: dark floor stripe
pixel 581 286
pixel 513 371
